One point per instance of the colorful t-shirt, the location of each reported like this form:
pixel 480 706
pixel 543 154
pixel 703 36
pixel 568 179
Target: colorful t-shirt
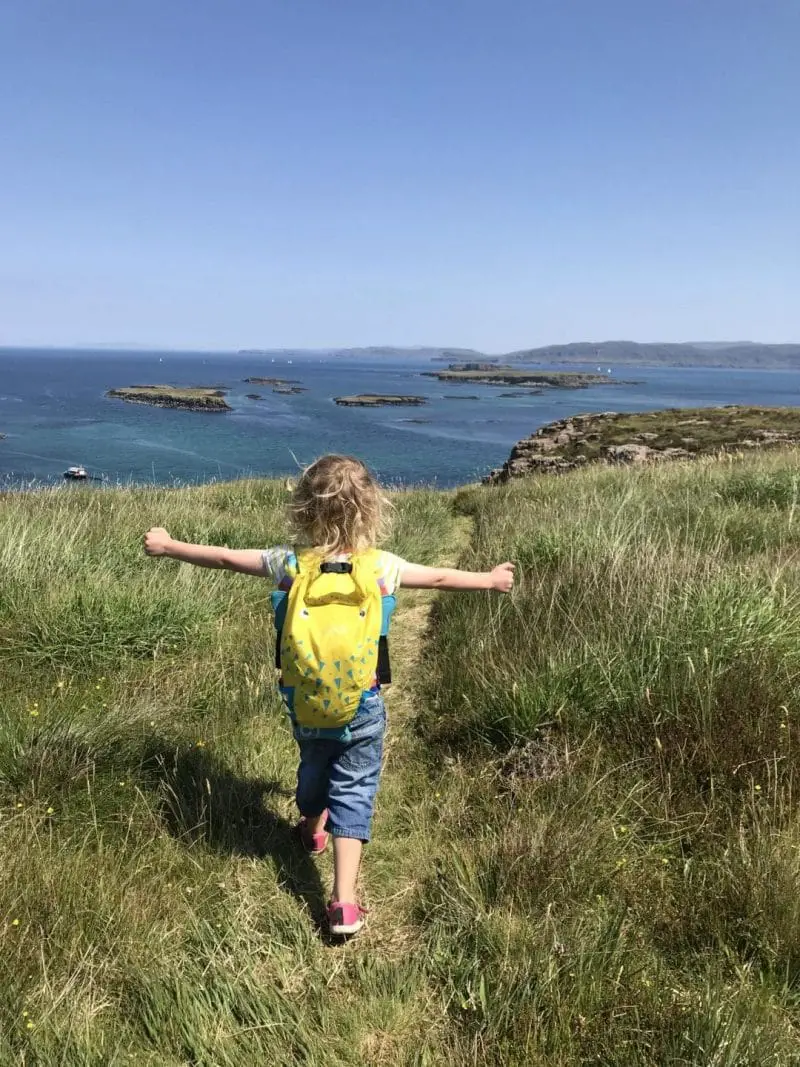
pixel 280 564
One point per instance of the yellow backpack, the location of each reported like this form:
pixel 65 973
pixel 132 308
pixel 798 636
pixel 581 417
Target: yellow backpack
pixel 330 637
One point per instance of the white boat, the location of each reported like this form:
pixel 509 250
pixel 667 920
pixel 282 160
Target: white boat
pixel 76 474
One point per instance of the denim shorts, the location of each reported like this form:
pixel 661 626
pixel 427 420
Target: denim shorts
pixel 343 775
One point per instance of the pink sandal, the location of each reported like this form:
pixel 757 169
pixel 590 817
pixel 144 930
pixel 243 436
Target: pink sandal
pixel 314 844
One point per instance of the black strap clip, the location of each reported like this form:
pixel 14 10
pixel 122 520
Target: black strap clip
pixel 332 567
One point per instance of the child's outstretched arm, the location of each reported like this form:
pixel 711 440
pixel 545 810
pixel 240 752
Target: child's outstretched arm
pixel 157 542
pixel 415 576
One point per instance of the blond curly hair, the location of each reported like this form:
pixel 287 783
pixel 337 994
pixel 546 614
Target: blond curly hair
pixel 337 506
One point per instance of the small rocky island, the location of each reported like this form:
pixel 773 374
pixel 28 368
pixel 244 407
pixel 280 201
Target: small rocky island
pixel 195 398
pixel 484 374
pixel 375 400
pixel 270 381
pixel 284 386
pixel 647 437
pixel 486 365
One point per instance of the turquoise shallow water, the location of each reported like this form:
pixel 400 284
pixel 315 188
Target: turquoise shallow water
pixel 55 414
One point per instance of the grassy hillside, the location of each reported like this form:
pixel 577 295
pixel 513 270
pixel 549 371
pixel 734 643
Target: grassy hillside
pixel 586 848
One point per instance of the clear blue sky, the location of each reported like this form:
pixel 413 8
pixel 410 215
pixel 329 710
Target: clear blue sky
pixel 496 174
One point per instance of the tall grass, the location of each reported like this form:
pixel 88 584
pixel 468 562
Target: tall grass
pixel 587 842
pixel 154 906
pixel 624 729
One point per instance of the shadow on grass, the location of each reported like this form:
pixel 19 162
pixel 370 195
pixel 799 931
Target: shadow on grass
pixel 203 800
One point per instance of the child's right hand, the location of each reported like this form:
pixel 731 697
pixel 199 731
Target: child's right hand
pixel 503 577
pixel 156 541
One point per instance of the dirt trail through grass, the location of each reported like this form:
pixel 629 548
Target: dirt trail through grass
pixel 378 987
pixel 406 825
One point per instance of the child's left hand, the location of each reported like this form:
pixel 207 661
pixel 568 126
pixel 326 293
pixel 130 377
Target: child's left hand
pixel 156 541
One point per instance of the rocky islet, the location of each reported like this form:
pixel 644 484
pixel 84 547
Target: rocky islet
pixel 374 400
pixel 195 398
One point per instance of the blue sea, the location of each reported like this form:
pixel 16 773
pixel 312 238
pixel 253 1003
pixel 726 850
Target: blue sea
pixel 55 414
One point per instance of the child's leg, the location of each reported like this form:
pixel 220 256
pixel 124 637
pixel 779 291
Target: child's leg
pixel 353 783
pixel 346 861
pixel 312 781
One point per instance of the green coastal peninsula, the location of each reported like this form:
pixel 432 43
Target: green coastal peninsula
pixel 646 437
pixel 197 398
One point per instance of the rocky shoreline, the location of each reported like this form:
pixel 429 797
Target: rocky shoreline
pixel 639 438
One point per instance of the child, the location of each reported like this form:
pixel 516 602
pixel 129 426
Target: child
pixel 337 510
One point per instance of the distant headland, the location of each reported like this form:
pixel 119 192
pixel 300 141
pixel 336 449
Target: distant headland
pixel 744 354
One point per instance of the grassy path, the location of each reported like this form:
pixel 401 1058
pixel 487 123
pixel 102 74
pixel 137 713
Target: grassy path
pixel 373 996
pixel 154 907
pixel 406 823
